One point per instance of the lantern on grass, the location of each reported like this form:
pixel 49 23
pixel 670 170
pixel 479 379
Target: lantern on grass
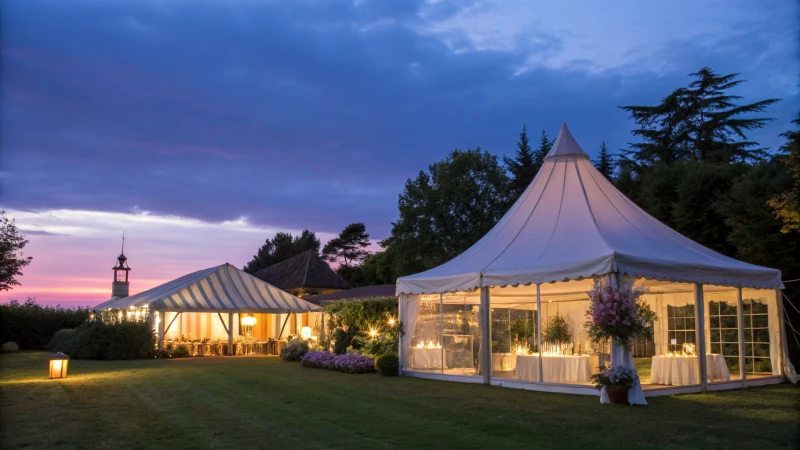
pixel 58 365
pixel 305 333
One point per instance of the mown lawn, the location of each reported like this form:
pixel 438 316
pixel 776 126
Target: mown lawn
pixel 262 402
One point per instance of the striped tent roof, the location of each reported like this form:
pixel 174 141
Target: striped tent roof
pixel 217 289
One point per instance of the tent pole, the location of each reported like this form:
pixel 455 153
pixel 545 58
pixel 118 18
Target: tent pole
pixel 740 321
pixel 163 316
pixel 400 316
pixel 781 334
pixel 441 328
pixel 288 314
pixel 486 337
pixel 223 322
pixel 700 326
pixel 173 321
pixel 539 329
pixel 231 350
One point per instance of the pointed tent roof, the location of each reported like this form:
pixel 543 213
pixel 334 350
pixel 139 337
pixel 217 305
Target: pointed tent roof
pixel 217 289
pixel 572 223
pixel 306 270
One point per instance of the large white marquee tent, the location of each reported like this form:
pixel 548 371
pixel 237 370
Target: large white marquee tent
pixel 570 226
pixel 191 307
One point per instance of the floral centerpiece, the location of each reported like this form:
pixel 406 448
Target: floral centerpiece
pixel 618 312
pixel 617 381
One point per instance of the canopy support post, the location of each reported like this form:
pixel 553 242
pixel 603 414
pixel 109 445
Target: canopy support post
pixel 162 315
pixel 700 327
pixel 614 278
pixel 486 337
pixel 288 315
pixel 539 329
pixel 223 322
pixel 401 345
pixel 781 334
pixel 740 322
pixel 231 350
pixel 441 328
pixel 171 322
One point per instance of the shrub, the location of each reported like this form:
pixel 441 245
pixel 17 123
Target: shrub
pixel 294 351
pixel 162 354
pixel 97 340
pixel 180 351
pixel 387 364
pixel 9 347
pixel 31 326
pixel 347 363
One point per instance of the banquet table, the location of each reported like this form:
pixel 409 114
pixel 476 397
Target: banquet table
pixel 504 362
pixel 683 370
pixel 426 358
pixel 556 368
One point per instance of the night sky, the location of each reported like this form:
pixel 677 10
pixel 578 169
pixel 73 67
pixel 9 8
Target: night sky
pixel 203 127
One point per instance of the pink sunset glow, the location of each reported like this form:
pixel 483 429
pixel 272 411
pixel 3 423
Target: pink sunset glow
pixel 73 251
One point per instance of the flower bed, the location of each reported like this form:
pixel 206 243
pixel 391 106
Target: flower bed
pixel 347 363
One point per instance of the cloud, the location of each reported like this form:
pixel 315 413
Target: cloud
pixel 313 114
pixel 77 269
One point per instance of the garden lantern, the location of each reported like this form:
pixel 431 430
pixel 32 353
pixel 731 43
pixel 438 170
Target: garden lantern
pixel 58 365
pixel 305 333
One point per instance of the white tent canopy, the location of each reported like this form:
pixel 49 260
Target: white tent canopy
pixel 217 289
pixel 571 223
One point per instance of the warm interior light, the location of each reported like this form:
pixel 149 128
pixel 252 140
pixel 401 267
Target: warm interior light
pixel 373 333
pixel 248 321
pixel 305 332
pixel 58 365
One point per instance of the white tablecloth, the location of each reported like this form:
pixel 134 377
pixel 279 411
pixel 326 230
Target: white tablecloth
pixel 503 362
pixel 426 358
pixel 557 369
pixel 683 370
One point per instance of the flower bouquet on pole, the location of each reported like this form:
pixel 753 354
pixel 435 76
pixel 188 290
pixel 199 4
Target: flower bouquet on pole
pixel 618 313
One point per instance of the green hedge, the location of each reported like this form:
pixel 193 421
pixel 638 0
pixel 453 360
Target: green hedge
pixel 31 326
pixel 97 340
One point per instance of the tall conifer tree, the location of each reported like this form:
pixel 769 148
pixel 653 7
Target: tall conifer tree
pixel 522 167
pixel 605 162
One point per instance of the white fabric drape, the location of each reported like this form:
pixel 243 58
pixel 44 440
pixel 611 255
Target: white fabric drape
pixel 774 336
pixel 621 357
pixel 409 323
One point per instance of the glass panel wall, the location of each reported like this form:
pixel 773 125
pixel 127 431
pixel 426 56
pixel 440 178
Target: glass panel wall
pixel 761 337
pixel 722 333
pixel 568 356
pixel 425 352
pixel 461 336
pixel 514 338
pixel 674 360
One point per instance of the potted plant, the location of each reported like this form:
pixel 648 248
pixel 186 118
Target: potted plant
pixel 617 381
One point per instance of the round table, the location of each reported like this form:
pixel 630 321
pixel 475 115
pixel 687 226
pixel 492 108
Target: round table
pixel 683 370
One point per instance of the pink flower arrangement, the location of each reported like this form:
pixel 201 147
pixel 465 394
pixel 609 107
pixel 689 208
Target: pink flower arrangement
pixel 618 312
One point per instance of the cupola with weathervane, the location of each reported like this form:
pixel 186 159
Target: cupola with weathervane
pixel 120 286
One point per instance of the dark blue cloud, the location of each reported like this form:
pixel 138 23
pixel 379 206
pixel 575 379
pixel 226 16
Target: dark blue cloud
pixel 293 114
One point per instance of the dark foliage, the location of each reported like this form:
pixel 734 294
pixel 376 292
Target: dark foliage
pixel 31 326
pixel 12 261
pixel 350 247
pixel 294 350
pixel 605 162
pixel 447 209
pixel 282 247
pixel 388 364
pixel 700 122
pixel 98 340
pixel 522 167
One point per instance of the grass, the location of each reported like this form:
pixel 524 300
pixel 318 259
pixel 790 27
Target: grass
pixel 262 402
